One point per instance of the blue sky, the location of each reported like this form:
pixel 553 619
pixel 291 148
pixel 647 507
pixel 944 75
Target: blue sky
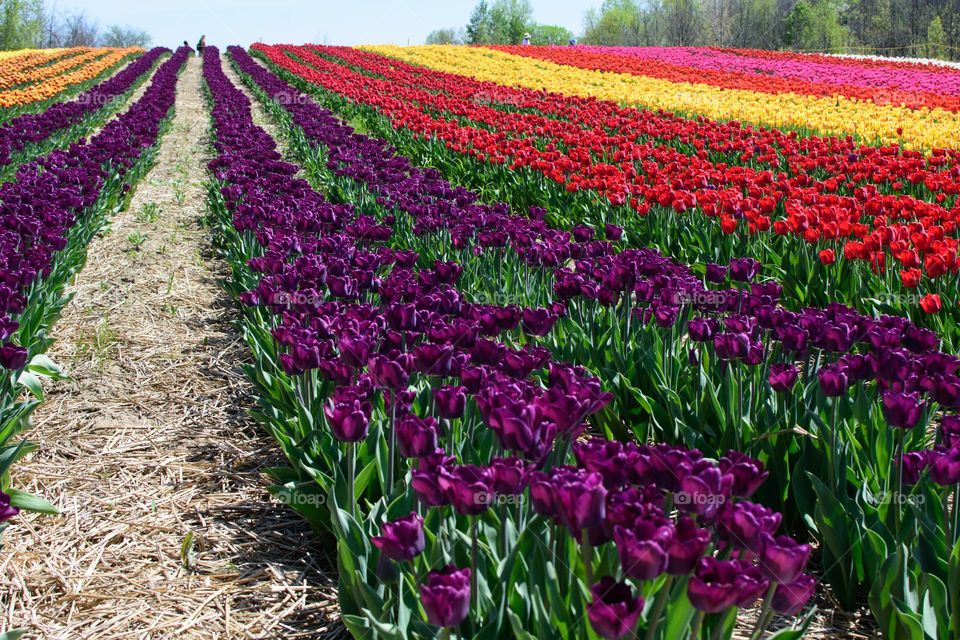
pixel 297 21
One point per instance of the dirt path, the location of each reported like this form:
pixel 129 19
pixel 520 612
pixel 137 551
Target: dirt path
pixel 167 530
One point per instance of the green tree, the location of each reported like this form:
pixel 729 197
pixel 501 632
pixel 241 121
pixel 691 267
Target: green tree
pixel 480 26
pixel 549 34
pixel 117 36
pixel 936 40
pixel 510 19
pixel 815 26
pixel 444 36
pixel 618 22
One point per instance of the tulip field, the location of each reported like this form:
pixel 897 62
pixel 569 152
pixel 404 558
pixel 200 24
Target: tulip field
pixel 557 342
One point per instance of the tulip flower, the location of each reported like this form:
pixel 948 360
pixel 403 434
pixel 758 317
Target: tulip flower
pixel 783 559
pixel 930 303
pixel 468 488
pixel 748 473
pixel 783 376
pixel 643 549
pixel 614 610
pixel 509 476
pixel 687 547
pixel 945 467
pixel 445 595
pixel 715 585
pixel 450 401
pixel 416 436
pixel 348 421
pixel 789 599
pixel 902 410
pixel 6 511
pixel 833 381
pixel 13 357
pixel 401 539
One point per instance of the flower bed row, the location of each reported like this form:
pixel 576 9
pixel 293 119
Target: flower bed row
pixel 667 183
pixel 921 129
pixel 489 541
pixel 61 76
pixel 31 135
pixel 571 324
pixel 917 89
pixel 51 211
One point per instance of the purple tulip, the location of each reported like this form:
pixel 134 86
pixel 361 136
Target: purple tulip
pixel 714 586
pixel 783 376
pixel 945 467
pixel 748 473
pixel 701 329
pixel 13 357
pixel 611 459
pixel 902 410
pixel 742 524
pixel 348 421
pixel 614 610
pixel 789 599
pixel 509 476
pixel 783 559
pixel 6 511
pixel 445 594
pixel 574 497
pixel 468 488
pixel 612 232
pixel 401 539
pixel 950 430
pixel 687 547
pixel 716 273
pixel 833 381
pixel 731 346
pixel 538 322
pixel 450 401
pixel 703 490
pixel 744 269
pixel 644 548
pixel 416 436
pixel 387 373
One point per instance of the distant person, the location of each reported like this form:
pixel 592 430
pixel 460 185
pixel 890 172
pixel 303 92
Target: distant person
pixel 526 38
pixel 201 45
pixel 186 44
pixel 573 42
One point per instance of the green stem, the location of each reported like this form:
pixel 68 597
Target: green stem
pixel 351 472
pixel 662 596
pixel 587 558
pixel 697 623
pixel 473 563
pixel 765 613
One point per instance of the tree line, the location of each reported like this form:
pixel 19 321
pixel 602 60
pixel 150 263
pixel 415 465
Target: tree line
pixel 914 28
pixel 35 24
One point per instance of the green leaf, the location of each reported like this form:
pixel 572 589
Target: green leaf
pixel 31 382
pixel 29 502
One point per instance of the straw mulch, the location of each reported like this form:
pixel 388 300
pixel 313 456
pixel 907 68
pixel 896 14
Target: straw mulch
pixel 167 530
